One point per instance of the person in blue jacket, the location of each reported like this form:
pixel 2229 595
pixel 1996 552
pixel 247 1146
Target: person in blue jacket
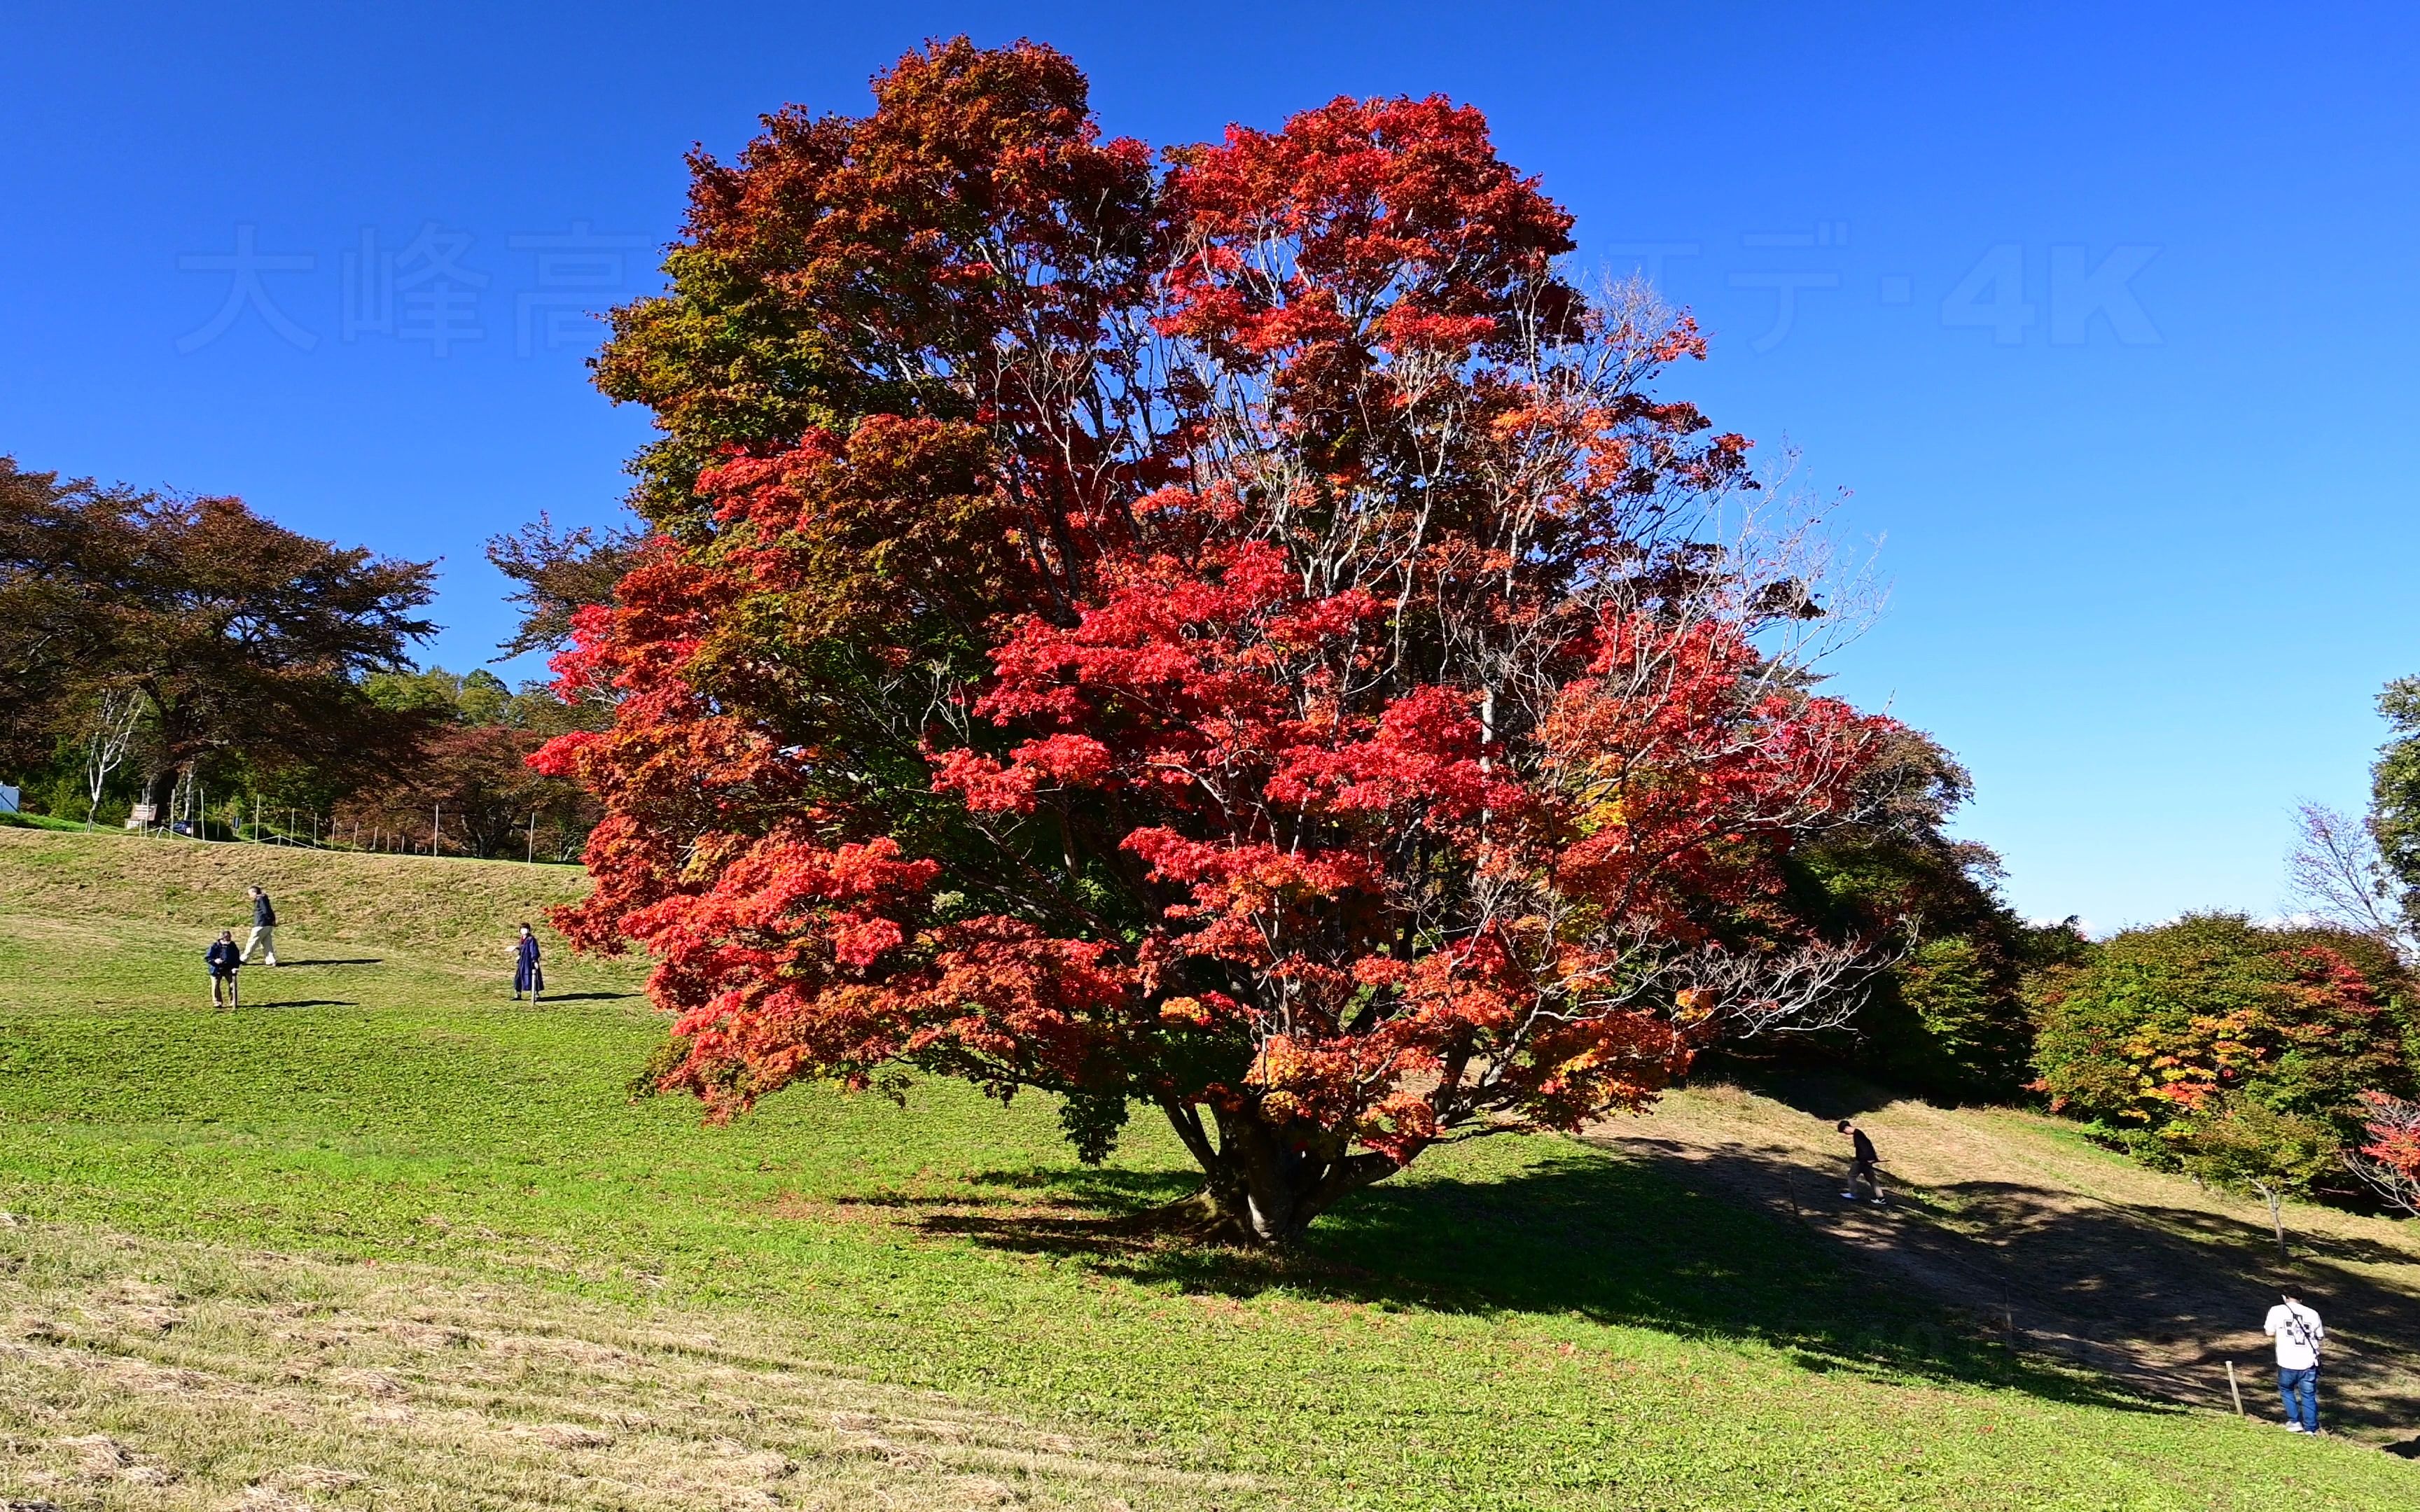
pixel 225 959
pixel 527 977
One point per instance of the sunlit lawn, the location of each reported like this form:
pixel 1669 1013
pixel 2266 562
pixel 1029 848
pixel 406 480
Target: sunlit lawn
pixel 1521 1324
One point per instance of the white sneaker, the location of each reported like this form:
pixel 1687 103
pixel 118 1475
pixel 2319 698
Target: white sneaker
pixel 2296 1427
pixel 1851 1195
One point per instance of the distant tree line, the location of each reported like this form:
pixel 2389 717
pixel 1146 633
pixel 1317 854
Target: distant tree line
pixel 2275 1059
pixel 187 660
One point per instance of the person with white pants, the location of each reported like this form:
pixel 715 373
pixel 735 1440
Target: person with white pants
pixel 263 939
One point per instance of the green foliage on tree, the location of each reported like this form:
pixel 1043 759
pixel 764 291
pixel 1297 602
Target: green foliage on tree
pixel 2394 792
pixel 1949 1019
pixel 2238 1143
pixel 477 697
pixel 2158 1031
pixel 467 788
pixel 1970 1023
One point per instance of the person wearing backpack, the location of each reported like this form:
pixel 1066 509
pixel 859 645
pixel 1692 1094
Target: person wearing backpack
pixel 2298 1331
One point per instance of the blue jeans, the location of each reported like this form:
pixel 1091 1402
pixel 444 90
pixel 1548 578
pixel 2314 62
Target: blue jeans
pixel 2300 1391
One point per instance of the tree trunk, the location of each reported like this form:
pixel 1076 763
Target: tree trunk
pixel 1263 1182
pixel 2277 1199
pixel 158 789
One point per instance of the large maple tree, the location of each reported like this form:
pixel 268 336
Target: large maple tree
pixel 1231 631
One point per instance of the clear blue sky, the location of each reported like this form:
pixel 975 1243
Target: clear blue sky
pixel 2105 314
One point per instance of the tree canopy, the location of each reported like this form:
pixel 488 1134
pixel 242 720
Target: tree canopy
pixel 2395 794
pixel 1233 632
pixel 1950 1018
pixel 2160 1027
pixel 231 633
pixel 468 787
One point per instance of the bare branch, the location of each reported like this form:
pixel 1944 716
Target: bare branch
pixel 2336 871
pixel 1798 990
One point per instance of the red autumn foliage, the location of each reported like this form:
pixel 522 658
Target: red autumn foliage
pixel 2389 1159
pixel 1241 640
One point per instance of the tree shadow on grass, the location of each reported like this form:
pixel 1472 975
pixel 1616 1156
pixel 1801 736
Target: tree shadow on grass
pixel 297 1002
pixel 2157 1296
pixel 2177 1292
pixel 1567 1232
pixel 347 961
pixel 1827 1095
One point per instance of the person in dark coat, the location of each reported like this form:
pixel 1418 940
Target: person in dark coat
pixel 225 959
pixel 1864 1163
pixel 527 976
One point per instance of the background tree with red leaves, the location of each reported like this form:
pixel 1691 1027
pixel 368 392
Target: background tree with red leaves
pixel 2388 1157
pixel 2216 1034
pixel 1238 635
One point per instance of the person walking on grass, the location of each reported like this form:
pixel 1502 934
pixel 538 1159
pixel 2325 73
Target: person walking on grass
pixel 264 928
pixel 224 961
pixel 2298 1331
pixel 1864 1165
pixel 527 976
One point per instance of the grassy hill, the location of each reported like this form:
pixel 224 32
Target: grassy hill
pixel 448 909
pixel 384 1238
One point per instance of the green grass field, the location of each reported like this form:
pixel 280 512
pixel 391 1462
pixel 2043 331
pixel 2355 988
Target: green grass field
pixel 1521 1324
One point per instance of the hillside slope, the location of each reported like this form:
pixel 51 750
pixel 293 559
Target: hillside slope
pixel 385 1239
pixel 444 908
pixel 2017 1221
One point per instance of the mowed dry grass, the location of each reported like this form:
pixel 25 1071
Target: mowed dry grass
pixel 144 1374
pixel 446 907
pixel 2016 1219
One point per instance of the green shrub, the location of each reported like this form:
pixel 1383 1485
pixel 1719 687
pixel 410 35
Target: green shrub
pixel 2160 1024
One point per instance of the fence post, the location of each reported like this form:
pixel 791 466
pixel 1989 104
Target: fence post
pixel 2234 1390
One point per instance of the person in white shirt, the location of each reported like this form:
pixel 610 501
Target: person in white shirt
pixel 2298 1331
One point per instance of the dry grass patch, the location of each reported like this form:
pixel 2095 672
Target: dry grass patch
pixel 144 1374
pixel 447 907
pixel 2014 1218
